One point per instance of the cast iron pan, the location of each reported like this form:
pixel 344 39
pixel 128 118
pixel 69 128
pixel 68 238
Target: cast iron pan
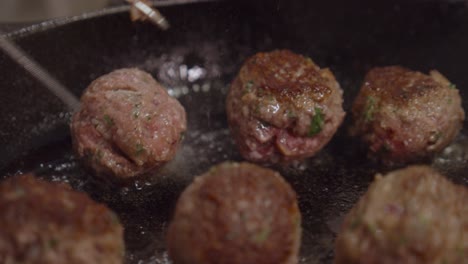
pixel 196 60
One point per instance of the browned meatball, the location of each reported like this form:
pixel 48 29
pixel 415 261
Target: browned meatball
pixel 411 216
pixel 282 107
pixel 127 125
pixel 236 213
pixel 406 116
pixel 48 223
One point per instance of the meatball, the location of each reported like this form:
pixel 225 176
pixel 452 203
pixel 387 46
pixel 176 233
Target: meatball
pixel 406 116
pixel 412 215
pixel 282 107
pixel 127 125
pixel 236 213
pixel 43 222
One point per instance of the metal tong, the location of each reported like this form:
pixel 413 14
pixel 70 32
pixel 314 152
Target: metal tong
pixel 142 10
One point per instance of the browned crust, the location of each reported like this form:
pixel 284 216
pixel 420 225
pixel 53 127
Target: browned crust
pixel 51 219
pixel 286 75
pixel 281 107
pixel 406 115
pixel 236 213
pixel 398 85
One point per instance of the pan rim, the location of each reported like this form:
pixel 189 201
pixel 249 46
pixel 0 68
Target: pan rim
pixel 62 21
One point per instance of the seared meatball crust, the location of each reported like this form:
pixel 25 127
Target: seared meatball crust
pixel 236 213
pixel 282 107
pixel 406 116
pixel 127 125
pixel 411 216
pixel 48 223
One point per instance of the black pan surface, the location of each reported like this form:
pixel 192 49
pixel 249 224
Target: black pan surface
pixel 196 60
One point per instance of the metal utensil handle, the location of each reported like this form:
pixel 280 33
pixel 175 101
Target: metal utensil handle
pixel 36 70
